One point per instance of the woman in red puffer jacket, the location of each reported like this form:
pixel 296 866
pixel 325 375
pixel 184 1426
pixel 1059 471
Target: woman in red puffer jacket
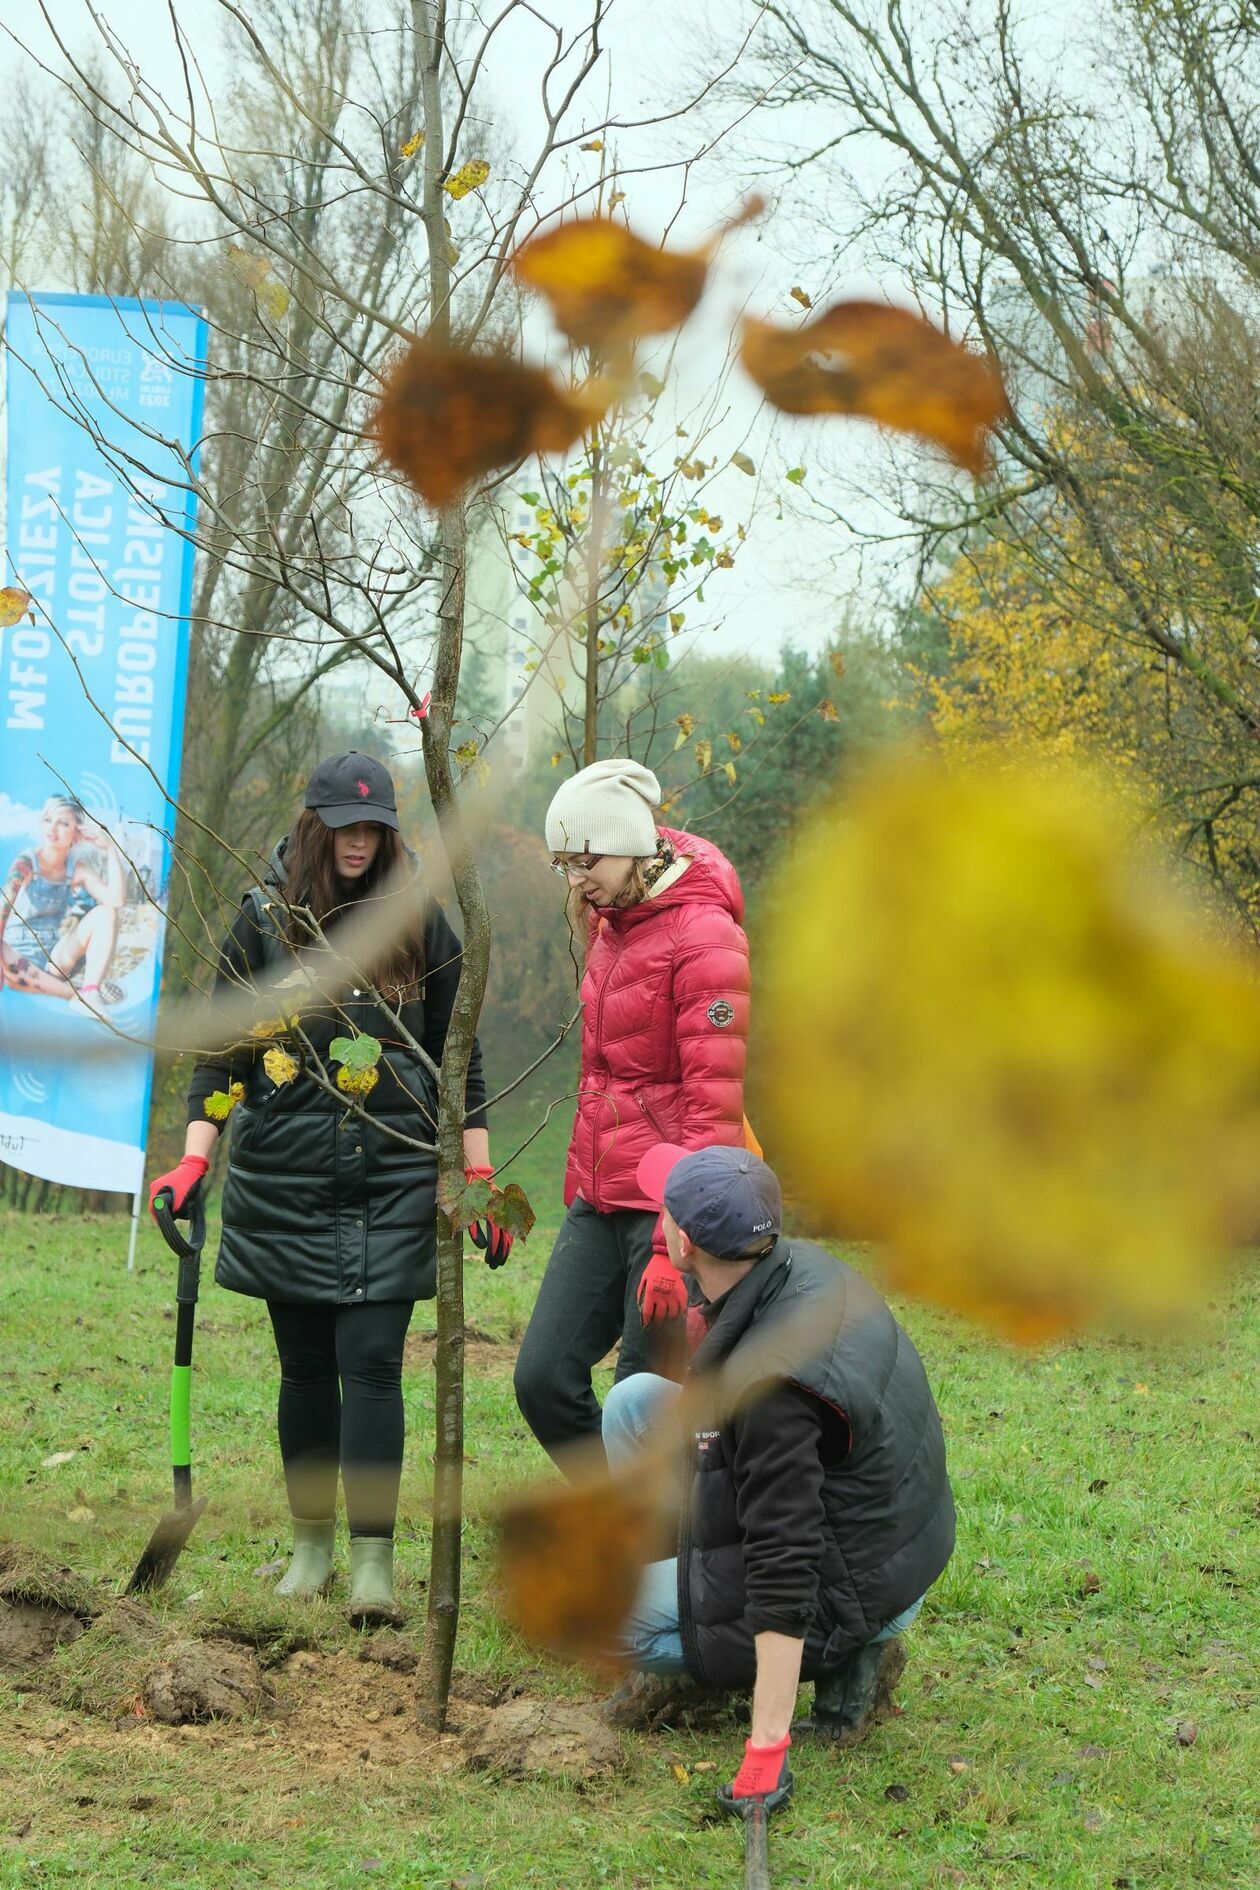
pixel 664 1036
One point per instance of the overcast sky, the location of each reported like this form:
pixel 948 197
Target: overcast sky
pixel 790 576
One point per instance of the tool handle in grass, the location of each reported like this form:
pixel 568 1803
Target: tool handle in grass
pixel 756 1845
pixel 194 1211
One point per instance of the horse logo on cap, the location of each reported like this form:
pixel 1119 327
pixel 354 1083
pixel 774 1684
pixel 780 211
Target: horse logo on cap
pixel 364 789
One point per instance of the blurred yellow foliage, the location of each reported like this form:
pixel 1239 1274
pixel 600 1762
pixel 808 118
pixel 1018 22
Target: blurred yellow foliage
pixel 1009 1050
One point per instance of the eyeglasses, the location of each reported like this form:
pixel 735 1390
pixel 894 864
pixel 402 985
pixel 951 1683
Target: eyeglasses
pixel 576 869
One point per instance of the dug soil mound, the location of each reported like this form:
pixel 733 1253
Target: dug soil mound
pixel 121 1667
pixel 532 1736
pixel 204 1680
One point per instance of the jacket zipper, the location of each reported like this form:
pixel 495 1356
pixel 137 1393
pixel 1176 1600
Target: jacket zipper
pixel 599 1038
pixel 651 1119
pixel 686 1621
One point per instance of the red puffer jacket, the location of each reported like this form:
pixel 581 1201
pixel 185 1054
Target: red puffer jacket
pixel 665 1028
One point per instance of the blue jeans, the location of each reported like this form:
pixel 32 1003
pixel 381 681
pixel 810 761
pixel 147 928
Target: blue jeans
pixel 651 1634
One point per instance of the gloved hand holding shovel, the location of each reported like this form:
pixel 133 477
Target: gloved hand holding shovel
pixel 761 1785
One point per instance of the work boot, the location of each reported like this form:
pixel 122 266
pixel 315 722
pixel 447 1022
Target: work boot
pixel 310 1571
pixel 372 1582
pixel 646 1700
pixel 849 1699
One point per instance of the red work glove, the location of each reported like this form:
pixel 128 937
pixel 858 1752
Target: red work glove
pixel 662 1292
pixel 494 1241
pixel 181 1181
pixel 764 1771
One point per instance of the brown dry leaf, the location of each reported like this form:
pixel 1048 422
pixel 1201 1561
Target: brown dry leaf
pixel 14 605
pixel 606 285
pixel 799 295
pixel 744 463
pixel 888 364
pixel 572 1557
pixel 448 418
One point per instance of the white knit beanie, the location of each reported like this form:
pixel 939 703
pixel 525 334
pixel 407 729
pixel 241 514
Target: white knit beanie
pixel 607 808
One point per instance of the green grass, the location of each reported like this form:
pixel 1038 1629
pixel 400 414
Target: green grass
pixel 1102 1595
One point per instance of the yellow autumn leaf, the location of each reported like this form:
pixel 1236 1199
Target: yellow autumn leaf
pixel 677 618
pixel 1038 1067
pixel 704 756
pixel 742 461
pixel 776 696
pixel 413 144
pixel 734 741
pixel 469 177
pixel 728 769
pixel 828 710
pixel 799 295
pixel 220 1103
pixel 686 728
pixel 592 144
pixel 14 605
pixel 357 1083
pixel 256 273
pixel 280 1066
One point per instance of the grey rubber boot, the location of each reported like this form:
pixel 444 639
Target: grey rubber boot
pixel 310 1571
pixel 372 1582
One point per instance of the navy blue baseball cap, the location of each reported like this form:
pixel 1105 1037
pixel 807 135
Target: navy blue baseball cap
pixel 725 1199
pixel 345 789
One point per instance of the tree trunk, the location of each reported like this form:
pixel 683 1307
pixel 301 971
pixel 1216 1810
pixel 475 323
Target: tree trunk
pixel 448 1455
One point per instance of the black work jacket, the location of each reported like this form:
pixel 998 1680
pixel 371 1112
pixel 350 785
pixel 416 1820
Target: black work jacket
pixel 323 1205
pixel 877 1505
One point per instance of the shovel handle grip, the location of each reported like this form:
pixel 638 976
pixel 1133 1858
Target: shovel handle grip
pixel 193 1211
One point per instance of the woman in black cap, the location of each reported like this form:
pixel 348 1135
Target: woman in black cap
pixel 327 1214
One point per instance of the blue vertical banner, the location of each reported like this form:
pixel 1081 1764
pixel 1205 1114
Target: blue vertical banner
pixel 104 403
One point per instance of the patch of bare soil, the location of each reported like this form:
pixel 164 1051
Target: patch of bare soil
pixel 42 1606
pixel 31 1632
pixel 484 1354
pixel 531 1736
pixel 359 1707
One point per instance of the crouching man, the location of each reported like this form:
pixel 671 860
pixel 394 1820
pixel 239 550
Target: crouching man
pixel 815 1519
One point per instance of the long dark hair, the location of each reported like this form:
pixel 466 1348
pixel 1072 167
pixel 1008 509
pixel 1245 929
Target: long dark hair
pixel 311 881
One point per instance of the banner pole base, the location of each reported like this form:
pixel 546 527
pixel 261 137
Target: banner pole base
pixel 135 1229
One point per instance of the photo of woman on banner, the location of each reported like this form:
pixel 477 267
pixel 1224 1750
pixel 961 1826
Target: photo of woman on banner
pixel 60 909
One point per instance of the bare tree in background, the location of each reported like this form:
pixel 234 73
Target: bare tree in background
pixel 327 198
pixel 1089 209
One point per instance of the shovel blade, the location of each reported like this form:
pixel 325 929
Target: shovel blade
pixel 164 1547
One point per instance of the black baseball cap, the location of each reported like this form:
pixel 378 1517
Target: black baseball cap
pixel 726 1199
pixel 348 788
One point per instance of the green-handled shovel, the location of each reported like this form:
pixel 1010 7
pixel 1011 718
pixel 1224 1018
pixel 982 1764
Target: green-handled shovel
pixel 162 1550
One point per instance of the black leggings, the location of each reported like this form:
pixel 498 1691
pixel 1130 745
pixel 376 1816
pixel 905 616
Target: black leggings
pixel 341 1404
pixel 587 1301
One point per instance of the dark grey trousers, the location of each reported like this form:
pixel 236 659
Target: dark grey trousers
pixel 585 1304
